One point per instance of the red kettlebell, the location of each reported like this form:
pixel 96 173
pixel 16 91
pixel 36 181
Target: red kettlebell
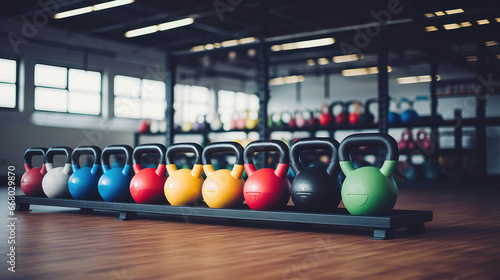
pixel 31 182
pixel 147 184
pixel 309 117
pixel 343 116
pixel 354 114
pixel 423 141
pixel 406 143
pixel 267 188
pixel 325 116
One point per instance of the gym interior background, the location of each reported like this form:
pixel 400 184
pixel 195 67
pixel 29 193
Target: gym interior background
pixel 76 73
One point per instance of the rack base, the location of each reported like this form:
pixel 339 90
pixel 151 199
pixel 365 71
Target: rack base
pixel 383 226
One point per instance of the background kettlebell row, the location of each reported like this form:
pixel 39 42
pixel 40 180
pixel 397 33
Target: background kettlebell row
pixel 366 190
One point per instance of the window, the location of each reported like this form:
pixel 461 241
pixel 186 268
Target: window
pixel 61 89
pixel 231 103
pixel 139 98
pixel 191 102
pixel 8 80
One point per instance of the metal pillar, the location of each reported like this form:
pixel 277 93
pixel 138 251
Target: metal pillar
pixel 170 68
pixel 481 116
pixel 434 101
pixel 383 84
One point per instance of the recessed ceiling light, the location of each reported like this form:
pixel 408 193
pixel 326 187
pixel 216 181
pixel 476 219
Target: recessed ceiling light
pixel 454 11
pixel 465 24
pixel 498 19
pixel 310 62
pixel 322 61
pixel 430 28
pixel 439 13
pixel 451 26
pixel 482 21
pixel 491 43
pixel 429 15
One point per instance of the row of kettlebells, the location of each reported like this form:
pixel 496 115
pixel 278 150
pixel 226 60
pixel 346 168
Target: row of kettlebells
pixel 365 191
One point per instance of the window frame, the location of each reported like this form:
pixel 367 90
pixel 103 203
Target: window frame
pixel 141 78
pixel 68 66
pixel 18 75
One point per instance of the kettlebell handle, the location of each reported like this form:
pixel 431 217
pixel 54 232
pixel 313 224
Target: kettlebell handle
pixel 86 150
pixel 267 145
pixel 325 143
pixel 28 155
pixel 337 103
pixel 421 132
pixel 188 147
pixel 117 149
pixel 369 139
pixel 152 149
pixel 223 147
pixel 58 150
pixel 407 134
pixel 368 103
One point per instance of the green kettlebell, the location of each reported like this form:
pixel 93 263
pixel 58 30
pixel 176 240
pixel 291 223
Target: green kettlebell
pixel 369 190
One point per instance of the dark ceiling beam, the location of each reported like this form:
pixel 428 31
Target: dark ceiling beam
pixel 42 9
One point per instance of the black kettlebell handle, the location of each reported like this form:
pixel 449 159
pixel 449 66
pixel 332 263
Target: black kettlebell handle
pixel 336 103
pixel 267 145
pixel 325 143
pixel 369 139
pixel 117 149
pixel 223 147
pixel 28 155
pixel 86 150
pixel 146 149
pixel 188 147
pixel 58 150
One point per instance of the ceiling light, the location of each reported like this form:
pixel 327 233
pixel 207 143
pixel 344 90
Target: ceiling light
pixel 75 12
pixel 209 46
pixel 439 13
pixel 198 48
pixel 89 9
pixel 229 43
pixel 362 71
pixel 141 31
pixel 454 11
pixel 465 24
pixel 498 19
pixel 416 79
pixel 498 56
pixel 429 15
pixel 347 58
pixel 430 28
pixel 322 61
pixel 491 43
pixel 482 21
pixel 111 4
pixel 224 44
pixel 159 27
pixel 310 62
pixel 471 58
pixel 175 24
pixel 303 44
pixel 451 26
pixel 247 40
pixel 286 80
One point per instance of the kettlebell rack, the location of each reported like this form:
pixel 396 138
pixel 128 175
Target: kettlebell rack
pixel 383 226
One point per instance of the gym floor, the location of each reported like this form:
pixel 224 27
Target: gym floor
pixel 59 243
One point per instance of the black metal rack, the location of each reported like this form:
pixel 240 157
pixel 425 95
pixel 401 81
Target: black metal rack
pixel 383 226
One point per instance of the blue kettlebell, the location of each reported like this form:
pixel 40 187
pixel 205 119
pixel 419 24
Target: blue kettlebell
pixel 114 184
pixel 394 110
pixel 82 184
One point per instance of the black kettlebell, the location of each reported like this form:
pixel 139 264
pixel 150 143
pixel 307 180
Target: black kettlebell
pixel 314 188
pixel 367 117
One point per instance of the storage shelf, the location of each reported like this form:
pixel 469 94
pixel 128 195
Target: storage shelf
pixel 383 226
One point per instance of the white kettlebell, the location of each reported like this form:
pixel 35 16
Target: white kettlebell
pixel 55 182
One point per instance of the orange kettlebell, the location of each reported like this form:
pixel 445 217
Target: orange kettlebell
pixel 223 188
pixel 183 186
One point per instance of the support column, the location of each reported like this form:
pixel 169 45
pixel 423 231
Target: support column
pixel 170 68
pixel 481 116
pixel 383 84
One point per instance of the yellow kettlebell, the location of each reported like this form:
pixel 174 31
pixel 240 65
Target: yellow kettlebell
pixel 183 186
pixel 223 188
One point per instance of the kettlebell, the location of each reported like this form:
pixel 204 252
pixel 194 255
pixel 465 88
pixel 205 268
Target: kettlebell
pixel 343 116
pixel 393 116
pixel 299 119
pixel 276 120
pixel 83 182
pixel 354 114
pixel 369 190
pixel 325 116
pixel 309 117
pixel 147 184
pixel 55 182
pixel 315 188
pixel 251 119
pixel 406 143
pixel 423 141
pixel 288 119
pixel 367 117
pixel 267 188
pixel 114 184
pixel 409 115
pixel 31 182
pixel 223 188
pixel 183 186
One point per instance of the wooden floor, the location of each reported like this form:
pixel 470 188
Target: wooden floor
pixel 463 242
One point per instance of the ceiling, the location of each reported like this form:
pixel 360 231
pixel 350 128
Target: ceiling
pixel 221 20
